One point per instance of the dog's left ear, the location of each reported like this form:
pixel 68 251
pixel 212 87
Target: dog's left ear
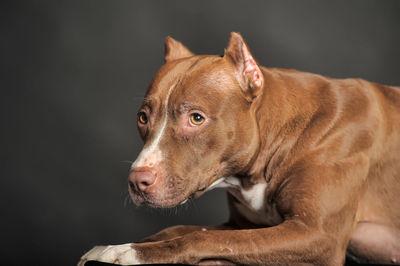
pixel 247 71
pixel 175 50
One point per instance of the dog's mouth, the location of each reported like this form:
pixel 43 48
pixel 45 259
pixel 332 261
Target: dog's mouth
pixel 194 195
pixel 203 189
pixel 140 198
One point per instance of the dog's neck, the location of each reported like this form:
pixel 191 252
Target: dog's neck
pixel 276 130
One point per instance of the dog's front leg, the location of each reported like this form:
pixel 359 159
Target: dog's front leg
pixel 180 230
pixel 127 253
pixel 289 243
pixel 166 251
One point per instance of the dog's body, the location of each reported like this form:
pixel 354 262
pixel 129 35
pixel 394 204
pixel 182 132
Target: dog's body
pixel 311 164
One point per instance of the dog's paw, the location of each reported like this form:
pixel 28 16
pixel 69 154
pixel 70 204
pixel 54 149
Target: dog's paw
pixel 118 254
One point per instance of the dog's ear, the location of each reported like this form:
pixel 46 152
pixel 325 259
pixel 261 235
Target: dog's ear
pixel 175 50
pixel 247 71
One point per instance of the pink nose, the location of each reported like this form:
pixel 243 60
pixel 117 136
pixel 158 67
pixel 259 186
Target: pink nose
pixel 141 180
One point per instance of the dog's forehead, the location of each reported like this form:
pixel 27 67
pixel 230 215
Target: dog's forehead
pixel 182 72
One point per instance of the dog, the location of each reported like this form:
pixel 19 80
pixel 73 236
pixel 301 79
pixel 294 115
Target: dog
pixel 311 164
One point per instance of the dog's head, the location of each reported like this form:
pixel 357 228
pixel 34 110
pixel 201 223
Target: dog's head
pixel 197 123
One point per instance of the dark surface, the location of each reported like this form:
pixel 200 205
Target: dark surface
pixel 73 74
pixel 94 263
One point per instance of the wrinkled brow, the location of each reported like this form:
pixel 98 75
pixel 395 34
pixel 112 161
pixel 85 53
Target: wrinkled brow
pixel 148 102
pixel 188 105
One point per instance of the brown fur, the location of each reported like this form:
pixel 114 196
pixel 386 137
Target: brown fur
pixel 328 149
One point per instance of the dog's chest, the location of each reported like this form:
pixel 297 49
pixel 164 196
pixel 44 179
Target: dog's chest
pixel 253 204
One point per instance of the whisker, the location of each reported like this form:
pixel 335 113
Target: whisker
pixel 126 198
pixel 195 207
pixel 137 98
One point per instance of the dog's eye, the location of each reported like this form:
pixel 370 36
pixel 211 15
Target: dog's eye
pixel 196 119
pixel 142 118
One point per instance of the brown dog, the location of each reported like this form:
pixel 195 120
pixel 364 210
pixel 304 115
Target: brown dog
pixel 311 164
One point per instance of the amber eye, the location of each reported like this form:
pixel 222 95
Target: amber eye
pixel 142 118
pixel 196 119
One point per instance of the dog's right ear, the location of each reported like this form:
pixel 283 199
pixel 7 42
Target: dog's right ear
pixel 247 71
pixel 175 50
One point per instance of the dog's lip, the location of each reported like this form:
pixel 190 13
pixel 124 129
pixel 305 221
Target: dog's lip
pixel 141 198
pixel 204 189
pixel 194 195
pixel 183 202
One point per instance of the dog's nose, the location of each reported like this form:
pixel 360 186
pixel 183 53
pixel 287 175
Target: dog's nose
pixel 141 180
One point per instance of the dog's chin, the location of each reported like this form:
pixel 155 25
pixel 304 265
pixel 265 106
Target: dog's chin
pixel 154 202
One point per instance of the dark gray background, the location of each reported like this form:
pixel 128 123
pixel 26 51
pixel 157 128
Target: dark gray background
pixel 72 77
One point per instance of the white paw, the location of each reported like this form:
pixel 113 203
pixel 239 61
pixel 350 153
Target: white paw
pixel 118 254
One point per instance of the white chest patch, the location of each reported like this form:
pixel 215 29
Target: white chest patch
pixel 255 196
pixel 252 202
